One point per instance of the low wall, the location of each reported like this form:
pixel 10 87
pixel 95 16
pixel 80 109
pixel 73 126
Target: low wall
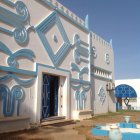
pixel 11 124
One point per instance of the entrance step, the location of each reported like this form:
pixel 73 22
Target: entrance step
pixel 57 121
pixel 53 118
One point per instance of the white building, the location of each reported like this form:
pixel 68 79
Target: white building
pixel 51 64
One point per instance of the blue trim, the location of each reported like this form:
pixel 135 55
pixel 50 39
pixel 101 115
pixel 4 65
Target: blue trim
pixel 43 27
pixel 51 67
pixel 12 71
pixel 5 49
pixel 12 18
pixel 80 98
pixel 77 84
pixel 23 82
pixel 6 31
pixel 20 33
pixel 12 59
pixel 17 79
pixel 81 71
pixel 18 71
pixel 10 98
pixel 81 51
pixel 80 81
pixel 87 22
pixel 84 43
pixel 10 3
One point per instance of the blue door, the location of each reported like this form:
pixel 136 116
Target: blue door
pixel 50 96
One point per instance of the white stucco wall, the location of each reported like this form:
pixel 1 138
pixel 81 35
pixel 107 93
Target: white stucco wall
pixel 31 106
pixel 102 47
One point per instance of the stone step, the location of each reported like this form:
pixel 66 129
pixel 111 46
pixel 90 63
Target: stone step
pixel 53 118
pixel 60 122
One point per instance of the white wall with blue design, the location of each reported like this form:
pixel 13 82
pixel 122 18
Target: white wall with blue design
pixel 44 37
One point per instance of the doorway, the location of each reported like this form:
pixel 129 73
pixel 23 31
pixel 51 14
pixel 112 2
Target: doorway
pixel 50 96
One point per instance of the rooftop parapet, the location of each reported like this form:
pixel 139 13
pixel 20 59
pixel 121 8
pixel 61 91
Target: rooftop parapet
pixel 101 40
pixel 55 4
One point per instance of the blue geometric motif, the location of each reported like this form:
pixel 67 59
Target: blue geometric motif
pixel 102 95
pixel 10 98
pixel 43 27
pixel 123 91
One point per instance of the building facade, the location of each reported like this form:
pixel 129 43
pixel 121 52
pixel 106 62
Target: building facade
pixel 51 64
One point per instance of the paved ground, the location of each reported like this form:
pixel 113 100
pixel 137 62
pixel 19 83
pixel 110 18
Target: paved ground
pixel 71 131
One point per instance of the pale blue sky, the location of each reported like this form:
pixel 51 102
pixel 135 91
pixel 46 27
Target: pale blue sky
pixel 119 20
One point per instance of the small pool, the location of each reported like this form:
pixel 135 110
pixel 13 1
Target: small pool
pixel 130 131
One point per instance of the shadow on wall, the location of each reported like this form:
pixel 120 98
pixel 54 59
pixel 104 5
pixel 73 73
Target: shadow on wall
pixel 113 98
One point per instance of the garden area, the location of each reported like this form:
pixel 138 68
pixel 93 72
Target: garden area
pixel 104 119
pixel 81 128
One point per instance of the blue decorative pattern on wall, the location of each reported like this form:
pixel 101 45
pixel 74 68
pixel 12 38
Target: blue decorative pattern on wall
pixel 20 81
pixel 20 33
pixel 10 98
pixel 102 95
pixel 80 99
pixel 12 61
pixel 81 54
pixel 43 27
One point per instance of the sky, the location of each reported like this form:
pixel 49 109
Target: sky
pixel 118 20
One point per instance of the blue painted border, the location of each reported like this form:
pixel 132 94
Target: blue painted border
pixel 51 67
pixel 18 71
